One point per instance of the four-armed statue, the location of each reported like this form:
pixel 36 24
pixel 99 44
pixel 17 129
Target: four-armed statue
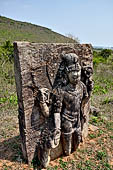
pixel 54 87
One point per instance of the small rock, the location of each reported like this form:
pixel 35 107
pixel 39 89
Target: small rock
pixel 94 111
pixel 105 118
pixel 93 128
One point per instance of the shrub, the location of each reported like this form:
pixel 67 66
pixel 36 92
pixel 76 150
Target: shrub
pixel 97 58
pixel 102 56
pixel 105 53
pixel 6 51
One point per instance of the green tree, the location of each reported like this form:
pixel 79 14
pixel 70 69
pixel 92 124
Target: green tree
pixel 105 53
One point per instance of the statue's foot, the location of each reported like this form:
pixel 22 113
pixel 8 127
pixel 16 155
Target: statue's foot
pixel 46 163
pixel 67 153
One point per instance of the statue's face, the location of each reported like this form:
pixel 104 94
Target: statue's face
pixel 74 74
pixel 88 71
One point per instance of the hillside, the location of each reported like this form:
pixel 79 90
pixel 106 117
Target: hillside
pixel 19 31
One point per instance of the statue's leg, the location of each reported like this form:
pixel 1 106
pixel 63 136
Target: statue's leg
pixel 76 139
pixel 44 156
pixel 67 139
pixel 77 136
pixel 67 136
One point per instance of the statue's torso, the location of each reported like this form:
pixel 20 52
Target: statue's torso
pixel 71 103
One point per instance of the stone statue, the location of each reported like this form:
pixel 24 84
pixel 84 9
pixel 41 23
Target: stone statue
pixel 50 137
pixel 54 84
pixel 67 103
pixel 64 104
pixel 87 72
pixel 43 96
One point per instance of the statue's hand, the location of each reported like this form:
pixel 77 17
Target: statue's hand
pixel 85 118
pixel 44 109
pixel 43 95
pixel 55 139
pixel 43 98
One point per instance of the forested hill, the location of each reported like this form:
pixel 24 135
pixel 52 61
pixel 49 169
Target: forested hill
pixel 22 31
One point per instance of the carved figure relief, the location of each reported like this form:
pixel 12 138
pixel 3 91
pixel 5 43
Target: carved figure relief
pixel 71 96
pixel 64 105
pixel 54 85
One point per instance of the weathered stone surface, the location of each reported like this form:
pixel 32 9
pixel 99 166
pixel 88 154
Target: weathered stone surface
pixel 36 67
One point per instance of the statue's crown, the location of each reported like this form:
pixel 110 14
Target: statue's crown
pixel 70 59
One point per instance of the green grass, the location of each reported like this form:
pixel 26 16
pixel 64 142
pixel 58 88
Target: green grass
pixel 107 100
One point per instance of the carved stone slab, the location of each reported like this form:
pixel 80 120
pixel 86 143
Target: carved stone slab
pixel 36 66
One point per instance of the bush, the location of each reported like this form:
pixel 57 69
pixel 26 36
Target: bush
pixel 105 53
pixel 6 51
pixel 97 60
pixel 102 56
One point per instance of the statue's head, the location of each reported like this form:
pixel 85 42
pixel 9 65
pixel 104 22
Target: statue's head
pixel 74 73
pixel 73 68
pixel 88 71
pixel 70 59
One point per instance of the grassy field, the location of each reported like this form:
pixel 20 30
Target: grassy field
pixel 97 151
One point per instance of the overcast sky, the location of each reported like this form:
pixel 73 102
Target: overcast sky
pixel 89 20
